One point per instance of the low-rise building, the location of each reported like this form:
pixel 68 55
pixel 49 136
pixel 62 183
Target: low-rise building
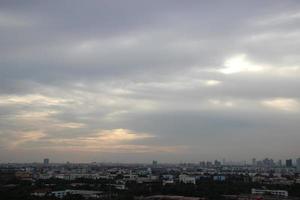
pixel 40 192
pixel 282 193
pixel 183 178
pixel 84 193
pixel 219 178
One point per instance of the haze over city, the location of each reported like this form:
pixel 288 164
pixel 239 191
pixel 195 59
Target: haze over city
pixel 136 80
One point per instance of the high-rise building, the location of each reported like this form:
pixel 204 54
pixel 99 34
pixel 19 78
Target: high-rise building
pixel 224 161
pixel 209 164
pixel 254 161
pixel 289 163
pixel 298 164
pixel 154 163
pixel 46 161
pixel 202 164
pixel 267 162
pixel 279 163
pixel 217 163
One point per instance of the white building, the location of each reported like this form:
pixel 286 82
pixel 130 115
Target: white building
pixel 84 193
pixel 282 193
pixel 183 178
pixel 166 182
pixel 119 186
pixel 74 176
pixel 168 177
pixel 130 177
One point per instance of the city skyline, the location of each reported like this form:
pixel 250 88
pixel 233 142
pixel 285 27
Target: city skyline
pixel 136 81
pixel 295 162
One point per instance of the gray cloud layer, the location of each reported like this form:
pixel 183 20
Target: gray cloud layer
pixel 141 80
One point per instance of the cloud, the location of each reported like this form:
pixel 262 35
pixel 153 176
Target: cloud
pixel 181 78
pixel 112 141
pixel 70 125
pixel 217 102
pixel 212 82
pixel 35 114
pixel 25 136
pixel 280 19
pixel 238 64
pixel 32 99
pixel 13 21
pixel 119 135
pixel 284 104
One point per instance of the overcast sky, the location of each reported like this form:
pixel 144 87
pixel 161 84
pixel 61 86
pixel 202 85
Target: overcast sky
pixel 137 80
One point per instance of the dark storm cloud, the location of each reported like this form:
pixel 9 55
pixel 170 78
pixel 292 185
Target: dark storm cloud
pixel 199 79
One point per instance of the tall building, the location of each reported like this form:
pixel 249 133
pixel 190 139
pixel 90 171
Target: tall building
pixel 46 161
pixel 254 161
pixel 268 162
pixel 224 161
pixel 217 163
pixel 289 163
pixel 154 163
pixel 209 164
pixel 202 164
pixel 298 164
pixel 279 163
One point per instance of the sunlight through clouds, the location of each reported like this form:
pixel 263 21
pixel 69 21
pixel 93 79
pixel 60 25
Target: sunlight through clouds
pixel 27 136
pixel 212 82
pixel 71 125
pixel 177 77
pixel 115 140
pixel 32 99
pixel 238 64
pixel 284 104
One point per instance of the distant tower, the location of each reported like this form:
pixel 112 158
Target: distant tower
pixel 154 163
pixel 217 163
pixel 46 161
pixel 254 161
pixel 298 164
pixel 280 163
pixel 289 163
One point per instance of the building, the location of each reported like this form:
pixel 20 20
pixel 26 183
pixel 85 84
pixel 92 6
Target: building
pixel 84 193
pixel 46 161
pixel 217 163
pixel 183 178
pixel 154 163
pixel 224 161
pixel 40 192
pixel 209 164
pixel 282 193
pixel 298 164
pixel 166 182
pixel 289 163
pixel 25 176
pixel 169 197
pixel 219 178
pixel 254 161
pixel 279 163
pixel 268 162
pixel 202 164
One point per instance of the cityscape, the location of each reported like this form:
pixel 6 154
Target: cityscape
pixel 209 179
pixel 149 99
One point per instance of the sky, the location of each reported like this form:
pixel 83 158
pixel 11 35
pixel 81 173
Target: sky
pixel 137 80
